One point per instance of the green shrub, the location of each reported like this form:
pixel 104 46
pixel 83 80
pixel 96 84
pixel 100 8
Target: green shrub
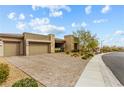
pixel 75 50
pixel 105 49
pixel 90 54
pixel 57 50
pixel 67 52
pixel 75 55
pixel 27 82
pixel 4 72
pixel 87 54
pixel 84 57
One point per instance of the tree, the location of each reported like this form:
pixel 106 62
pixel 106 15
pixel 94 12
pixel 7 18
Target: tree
pixel 87 41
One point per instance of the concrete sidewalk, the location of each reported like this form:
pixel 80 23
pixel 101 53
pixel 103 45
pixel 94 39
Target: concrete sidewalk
pixel 97 74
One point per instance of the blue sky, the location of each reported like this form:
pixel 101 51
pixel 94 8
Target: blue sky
pixel 105 21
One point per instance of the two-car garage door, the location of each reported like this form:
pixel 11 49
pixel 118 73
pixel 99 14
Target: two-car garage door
pixel 11 48
pixel 38 48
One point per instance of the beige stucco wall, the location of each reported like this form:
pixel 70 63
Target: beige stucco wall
pixel 77 42
pixel 21 48
pixel 29 37
pixel 1 48
pixel 35 36
pixel 11 39
pixel 69 42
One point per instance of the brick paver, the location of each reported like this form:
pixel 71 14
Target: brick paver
pixel 56 69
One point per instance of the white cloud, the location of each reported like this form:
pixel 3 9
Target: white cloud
pixel 119 32
pixel 83 24
pixel 105 9
pixel 31 15
pixel 38 21
pixel 21 17
pixel 78 25
pixel 121 40
pixel 55 10
pixel 43 25
pixel 73 24
pixel 20 25
pixel 56 13
pixel 52 7
pixel 12 15
pixel 97 21
pixel 113 39
pixel 34 7
pixel 88 9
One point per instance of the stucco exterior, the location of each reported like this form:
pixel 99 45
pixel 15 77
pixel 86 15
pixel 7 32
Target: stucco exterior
pixel 36 38
pixel 70 43
pixel 29 43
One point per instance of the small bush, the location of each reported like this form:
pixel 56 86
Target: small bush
pixel 106 49
pixel 84 57
pixel 57 50
pixel 90 55
pixel 75 55
pixel 75 50
pixel 27 82
pixel 67 52
pixel 4 72
pixel 87 55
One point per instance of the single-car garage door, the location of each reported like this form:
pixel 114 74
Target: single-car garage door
pixel 38 48
pixel 11 48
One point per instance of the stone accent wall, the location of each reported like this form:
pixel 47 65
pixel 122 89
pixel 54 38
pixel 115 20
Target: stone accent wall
pixel 52 44
pixel 26 48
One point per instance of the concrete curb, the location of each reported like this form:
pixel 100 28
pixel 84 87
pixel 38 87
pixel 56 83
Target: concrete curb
pixel 97 74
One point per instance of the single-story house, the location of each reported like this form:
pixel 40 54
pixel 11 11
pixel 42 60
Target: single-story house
pixel 34 44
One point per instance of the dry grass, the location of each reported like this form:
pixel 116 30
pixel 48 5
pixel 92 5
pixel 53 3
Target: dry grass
pixel 15 74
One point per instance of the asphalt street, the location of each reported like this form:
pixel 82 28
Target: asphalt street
pixel 115 61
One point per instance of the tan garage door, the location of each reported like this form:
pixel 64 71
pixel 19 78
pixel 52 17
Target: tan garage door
pixel 38 48
pixel 11 48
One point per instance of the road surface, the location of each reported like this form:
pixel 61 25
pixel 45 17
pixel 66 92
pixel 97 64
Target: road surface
pixel 115 61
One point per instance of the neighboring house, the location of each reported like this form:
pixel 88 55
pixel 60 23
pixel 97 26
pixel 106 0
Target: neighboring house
pixel 34 44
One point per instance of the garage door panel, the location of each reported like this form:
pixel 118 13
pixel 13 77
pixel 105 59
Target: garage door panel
pixel 38 48
pixel 11 48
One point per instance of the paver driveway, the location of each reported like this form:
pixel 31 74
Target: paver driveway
pixel 56 69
